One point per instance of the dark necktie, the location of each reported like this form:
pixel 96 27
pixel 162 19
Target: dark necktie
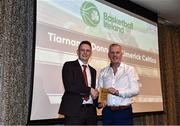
pixel 86 81
pixel 85 75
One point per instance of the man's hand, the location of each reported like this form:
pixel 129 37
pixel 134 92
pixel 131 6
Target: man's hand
pixel 113 91
pixel 94 93
pixel 102 104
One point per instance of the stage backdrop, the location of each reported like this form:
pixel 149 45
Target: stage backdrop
pixel 62 24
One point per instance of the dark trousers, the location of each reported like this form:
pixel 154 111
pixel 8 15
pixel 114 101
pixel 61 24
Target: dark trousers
pixel 87 116
pixel 117 117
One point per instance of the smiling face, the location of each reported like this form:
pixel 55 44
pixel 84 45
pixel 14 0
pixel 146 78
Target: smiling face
pixel 84 52
pixel 115 54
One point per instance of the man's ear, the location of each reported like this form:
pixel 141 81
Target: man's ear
pixel 108 55
pixel 77 51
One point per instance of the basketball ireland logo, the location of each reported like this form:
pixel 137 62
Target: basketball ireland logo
pixel 90 14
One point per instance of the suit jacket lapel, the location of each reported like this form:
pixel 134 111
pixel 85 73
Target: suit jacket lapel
pixel 81 74
pixel 79 71
pixel 92 76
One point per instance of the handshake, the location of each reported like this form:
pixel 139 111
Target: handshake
pixel 94 93
pixel 102 93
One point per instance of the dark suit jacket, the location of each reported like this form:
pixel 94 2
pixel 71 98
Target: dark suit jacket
pixel 75 88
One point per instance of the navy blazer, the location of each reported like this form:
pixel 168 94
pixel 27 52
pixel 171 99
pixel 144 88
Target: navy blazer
pixel 75 88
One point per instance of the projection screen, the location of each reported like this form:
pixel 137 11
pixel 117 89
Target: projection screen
pixel 62 24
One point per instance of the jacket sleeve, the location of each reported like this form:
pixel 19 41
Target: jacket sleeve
pixel 72 81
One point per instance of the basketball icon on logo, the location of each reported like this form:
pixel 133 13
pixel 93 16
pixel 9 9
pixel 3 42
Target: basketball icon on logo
pixel 90 14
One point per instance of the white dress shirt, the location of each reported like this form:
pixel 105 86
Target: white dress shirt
pixel 125 81
pixel 88 73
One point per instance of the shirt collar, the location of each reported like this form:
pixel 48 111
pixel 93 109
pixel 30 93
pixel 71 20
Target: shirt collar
pixel 120 66
pixel 81 63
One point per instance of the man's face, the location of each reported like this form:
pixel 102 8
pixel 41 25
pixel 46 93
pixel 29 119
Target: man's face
pixel 84 52
pixel 115 54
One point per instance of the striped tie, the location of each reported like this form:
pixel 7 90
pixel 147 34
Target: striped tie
pixel 85 79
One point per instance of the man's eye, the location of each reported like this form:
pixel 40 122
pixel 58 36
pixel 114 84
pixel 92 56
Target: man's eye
pixel 85 50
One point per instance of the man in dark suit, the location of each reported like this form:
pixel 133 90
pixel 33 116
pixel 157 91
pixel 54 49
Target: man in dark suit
pixel 80 97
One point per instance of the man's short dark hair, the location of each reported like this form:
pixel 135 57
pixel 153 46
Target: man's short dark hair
pixel 84 42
